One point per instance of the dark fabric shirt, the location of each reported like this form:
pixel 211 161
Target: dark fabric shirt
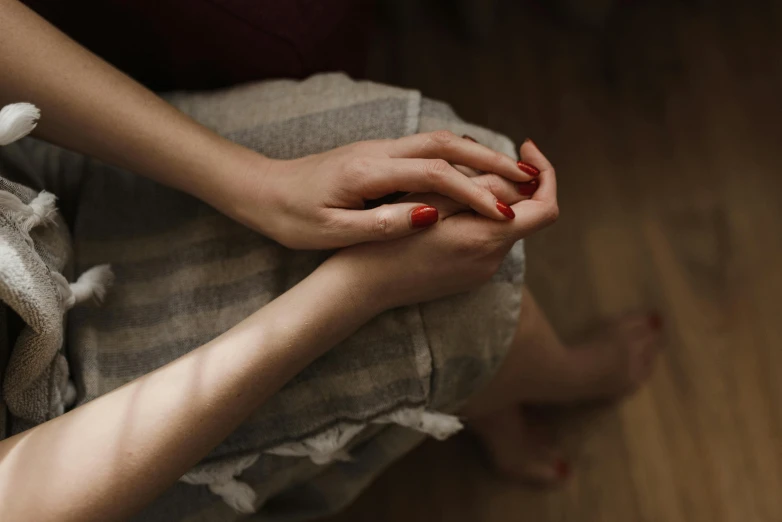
pixel 202 44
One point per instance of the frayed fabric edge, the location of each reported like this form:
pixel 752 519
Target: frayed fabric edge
pixel 323 448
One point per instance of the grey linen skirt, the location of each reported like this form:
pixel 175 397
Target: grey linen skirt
pixel 184 273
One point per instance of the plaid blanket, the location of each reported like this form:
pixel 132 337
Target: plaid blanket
pixel 183 274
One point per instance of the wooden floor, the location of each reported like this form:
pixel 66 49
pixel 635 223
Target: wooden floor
pixel 666 128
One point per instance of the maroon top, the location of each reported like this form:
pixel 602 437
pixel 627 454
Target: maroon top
pixel 201 44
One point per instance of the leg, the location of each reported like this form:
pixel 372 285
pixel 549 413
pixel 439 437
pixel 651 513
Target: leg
pixel 541 369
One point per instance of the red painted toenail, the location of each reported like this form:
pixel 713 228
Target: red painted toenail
pixel 656 322
pixel 563 469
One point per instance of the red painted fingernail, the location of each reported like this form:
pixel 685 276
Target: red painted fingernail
pixel 468 137
pixel 563 469
pixel 529 169
pixel 655 321
pixel 528 188
pixel 506 210
pixel 530 141
pixel 423 217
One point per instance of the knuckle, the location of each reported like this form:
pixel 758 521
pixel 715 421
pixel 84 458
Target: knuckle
pixel 372 148
pixel 490 268
pixel 493 183
pixel 365 145
pixel 436 169
pixel 357 165
pixel 330 223
pixel 474 246
pixel 498 158
pixel 552 213
pixel 442 137
pixel 351 150
pixel 383 224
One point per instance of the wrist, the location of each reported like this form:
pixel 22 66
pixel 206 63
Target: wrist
pixel 362 294
pixel 363 290
pixel 237 183
pixel 316 314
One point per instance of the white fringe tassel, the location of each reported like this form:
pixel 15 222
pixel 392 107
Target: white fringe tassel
pixel 69 398
pixel 322 448
pixel 329 446
pixel 17 121
pixel 91 285
pixel 221 480
pixel 438 425
pixel 237 494
pixel 40 211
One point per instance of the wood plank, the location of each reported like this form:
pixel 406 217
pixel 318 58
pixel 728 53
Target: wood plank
pixel 665 131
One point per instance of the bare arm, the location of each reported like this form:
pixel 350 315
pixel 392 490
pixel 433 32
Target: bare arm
pixel 93 108
pixel 110 457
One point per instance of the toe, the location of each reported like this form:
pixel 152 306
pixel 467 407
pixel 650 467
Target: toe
pixel 544 471
pixel 640 325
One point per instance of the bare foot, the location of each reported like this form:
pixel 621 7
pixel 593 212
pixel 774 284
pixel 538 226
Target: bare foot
pixel 539 368
pixel 614 361
pixel 520 448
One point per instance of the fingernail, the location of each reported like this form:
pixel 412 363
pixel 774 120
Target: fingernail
pixel 506 210
pixel 528 188
pixel 529 140
pixel 562 468
pixel 468 137
pixel 529 169
pixel 423 217
pixel 655 321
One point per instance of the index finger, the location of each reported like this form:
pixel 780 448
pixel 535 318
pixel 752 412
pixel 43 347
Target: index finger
pixel 547 180
pixel 456 150
pixel 539 211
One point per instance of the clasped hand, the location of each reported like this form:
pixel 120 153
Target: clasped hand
pixel 317 202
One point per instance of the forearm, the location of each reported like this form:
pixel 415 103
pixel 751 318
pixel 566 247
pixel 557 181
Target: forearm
pixel 90 107
pixel 108 458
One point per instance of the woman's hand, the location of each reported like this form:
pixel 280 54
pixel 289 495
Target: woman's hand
pixel 311 202
pixel 318 201
pixel 459 253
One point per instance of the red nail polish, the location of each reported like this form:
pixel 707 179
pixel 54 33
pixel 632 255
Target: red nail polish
pixel 655 321
pixel 467 137
pixel 529 169
pixel 528 188
pixel 423 217
pixel 506 210
pixel 562 468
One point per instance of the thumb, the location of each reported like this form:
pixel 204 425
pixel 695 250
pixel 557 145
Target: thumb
pixel 388 221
